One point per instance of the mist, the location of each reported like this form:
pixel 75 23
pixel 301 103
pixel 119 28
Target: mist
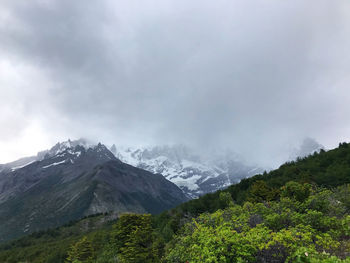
pixel 255 77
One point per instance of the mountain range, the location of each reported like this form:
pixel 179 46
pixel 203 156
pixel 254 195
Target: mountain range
pixel 195 174
pixel 77 178
pixel 73 180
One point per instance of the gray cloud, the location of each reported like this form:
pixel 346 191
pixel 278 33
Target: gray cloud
pixel 253 76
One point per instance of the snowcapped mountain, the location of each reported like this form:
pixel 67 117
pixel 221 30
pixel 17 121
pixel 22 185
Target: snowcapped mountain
pixel 67 149
pixel 193 173
pixel 69 145
pixel 74 179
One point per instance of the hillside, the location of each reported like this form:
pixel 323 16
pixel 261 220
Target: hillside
pixel 326 168
pixel 297 213
pixel 52 245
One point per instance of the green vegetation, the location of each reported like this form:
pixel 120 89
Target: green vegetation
pixel 287 230
pixel 326 169
pixel 297 213
pixel 53 245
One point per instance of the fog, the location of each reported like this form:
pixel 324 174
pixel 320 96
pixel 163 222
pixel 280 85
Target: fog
pixel 255 77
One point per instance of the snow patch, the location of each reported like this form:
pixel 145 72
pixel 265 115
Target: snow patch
pixel 54 164
pixel 189 183
pixel 19 167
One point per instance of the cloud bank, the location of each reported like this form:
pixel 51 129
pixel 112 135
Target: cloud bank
pixel 256 77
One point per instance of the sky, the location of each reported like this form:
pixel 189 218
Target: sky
pixel 253 76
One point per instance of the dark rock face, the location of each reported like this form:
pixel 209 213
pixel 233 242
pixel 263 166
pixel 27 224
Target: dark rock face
pixel 74 181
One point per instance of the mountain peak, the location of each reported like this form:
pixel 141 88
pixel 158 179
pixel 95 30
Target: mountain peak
pixel 61 147
pixel 75 179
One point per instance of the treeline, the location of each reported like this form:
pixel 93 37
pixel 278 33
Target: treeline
pixel 297 213
pixel 327 169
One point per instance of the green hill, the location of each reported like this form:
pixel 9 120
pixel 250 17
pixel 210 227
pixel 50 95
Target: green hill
pixel 52 245
pixel 327 169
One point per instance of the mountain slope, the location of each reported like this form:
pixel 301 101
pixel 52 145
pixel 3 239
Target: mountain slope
pixel 325 168
pixel 51 245
pixel 73 181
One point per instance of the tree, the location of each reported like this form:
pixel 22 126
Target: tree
pixel 133 237
pixel 296 191
pixel 81 251
pixel 260 192
pixel 225 200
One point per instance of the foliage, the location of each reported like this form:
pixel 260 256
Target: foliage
pixel 52 246
pixel 287 230
pixel 81 251
pixel 133 239
pixel 260 191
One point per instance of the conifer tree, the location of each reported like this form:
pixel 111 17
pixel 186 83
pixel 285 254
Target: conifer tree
pixel 134 239
pixel 81 251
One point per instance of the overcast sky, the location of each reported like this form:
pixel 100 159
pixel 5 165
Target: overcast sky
pixel 256 76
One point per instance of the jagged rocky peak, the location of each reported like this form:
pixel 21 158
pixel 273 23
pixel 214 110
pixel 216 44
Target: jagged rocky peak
pixel 76 147
pixel 68 151
pixel 113 149
pixel 194 173
pixel 101 152
pixel 175 152
pixel 61 147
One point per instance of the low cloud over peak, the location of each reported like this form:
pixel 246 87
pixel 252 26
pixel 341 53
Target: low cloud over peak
pixel 256 77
